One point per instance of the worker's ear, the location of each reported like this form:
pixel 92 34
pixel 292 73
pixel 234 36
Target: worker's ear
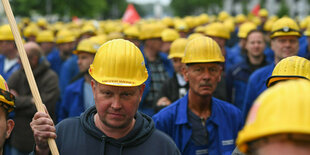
pixel 9 127
pixel 141 90
pixel 185 73
pixel 93 84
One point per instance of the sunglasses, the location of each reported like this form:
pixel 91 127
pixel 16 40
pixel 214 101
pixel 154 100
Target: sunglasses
pixel 7 95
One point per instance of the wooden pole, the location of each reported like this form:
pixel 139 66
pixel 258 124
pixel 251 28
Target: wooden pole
pixel 27 68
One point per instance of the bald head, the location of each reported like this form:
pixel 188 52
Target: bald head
pixel 34 53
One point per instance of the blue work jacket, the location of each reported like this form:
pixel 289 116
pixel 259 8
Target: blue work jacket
pixel 68 70
pixel 256 85
pixel 10 71
pixel 222 126
pixel 54 59
pixel 72 102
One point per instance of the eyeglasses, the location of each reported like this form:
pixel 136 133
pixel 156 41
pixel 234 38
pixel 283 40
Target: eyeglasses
pixel 7 95
pixel 285 29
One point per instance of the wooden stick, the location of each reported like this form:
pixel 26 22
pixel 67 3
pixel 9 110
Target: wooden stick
pixel 27 68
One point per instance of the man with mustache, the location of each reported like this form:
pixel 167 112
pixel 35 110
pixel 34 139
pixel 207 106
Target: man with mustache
pixel 199 123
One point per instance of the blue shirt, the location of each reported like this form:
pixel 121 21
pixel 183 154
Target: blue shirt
pixel 256 85
pixel 222 126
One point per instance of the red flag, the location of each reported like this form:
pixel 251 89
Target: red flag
pixel 131 15
pixel 255 10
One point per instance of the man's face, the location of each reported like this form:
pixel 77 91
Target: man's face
pixel 6 127
pixel 84 60
pixel 166 47
pixel 281 145
pixel 66 48
pixel 116 106
pixel 6 46
pixel 47 47
pixel 284 46
pixel 155 44
pixel 177 65
pixel 203 77
pixel 255 44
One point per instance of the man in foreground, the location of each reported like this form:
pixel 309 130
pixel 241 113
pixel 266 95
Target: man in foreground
pixel 113 125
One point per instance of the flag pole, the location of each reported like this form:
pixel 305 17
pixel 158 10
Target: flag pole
pixel 27 68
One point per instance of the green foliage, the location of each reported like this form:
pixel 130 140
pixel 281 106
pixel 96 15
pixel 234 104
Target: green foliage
pixel 284 10
pixel 244 7
pixel 185 7
pixel 80 8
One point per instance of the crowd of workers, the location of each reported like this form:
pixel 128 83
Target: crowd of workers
pixel 194 86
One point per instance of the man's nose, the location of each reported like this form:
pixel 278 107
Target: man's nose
pixel 116 104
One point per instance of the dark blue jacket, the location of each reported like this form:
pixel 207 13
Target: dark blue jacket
pixel 68 70
pixel 55 61
pixel 72 102
pixel 237 79
pixel 233 57
pixel 168 68
pixel 222 126
pixel 256 85
pixel 6 75
pixel 80 136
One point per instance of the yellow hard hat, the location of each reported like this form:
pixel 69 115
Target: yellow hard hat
pixel 263 13
pixel 217 29
pixel 256 20
pixel 88 29
pixel 240 18
pixel 45 36
pixel 6 33
pixel 151 31
pixel 31 30
pixel 194 35
pixel 245 28
pixel 99 39
pixel 6 98
pixel 65 36
pixel 132 32
pixel 115 35
pixel 229 24
pixel 86 45
pixel 190 22
pixel 119 63
pixel 177 48
pixel 283 108
pixel 167 21
pixel 293 67
pixel 268 25
pixel 307 32
pixel 181 26
pixel 169 35
pixel 203 19
pixel 223 15
pixel 285 26
pixel 303 24
pixel 202 49
pixel 200 29
pixel 42 22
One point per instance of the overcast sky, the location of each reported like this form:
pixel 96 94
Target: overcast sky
pixel 163 2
